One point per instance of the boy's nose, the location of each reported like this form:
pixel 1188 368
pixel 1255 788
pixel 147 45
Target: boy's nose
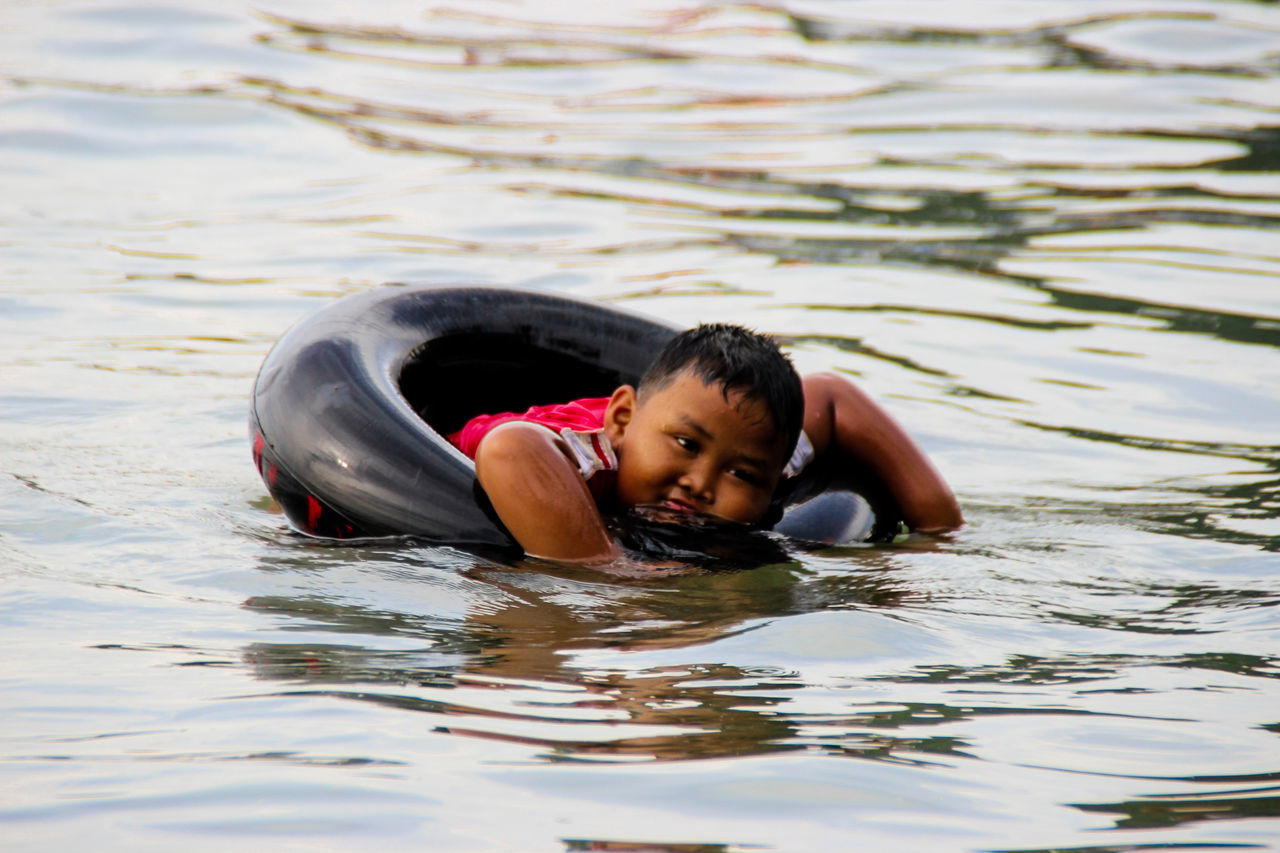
pixel 697 483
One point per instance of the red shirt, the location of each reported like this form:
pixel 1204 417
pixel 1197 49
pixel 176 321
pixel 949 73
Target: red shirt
pixel 580 423
pixel 586 415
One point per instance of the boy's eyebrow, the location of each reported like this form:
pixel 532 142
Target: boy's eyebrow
pixel 687 420
pixel 755 461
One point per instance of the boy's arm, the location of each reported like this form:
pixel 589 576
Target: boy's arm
pixel 540 496
pixel 840 416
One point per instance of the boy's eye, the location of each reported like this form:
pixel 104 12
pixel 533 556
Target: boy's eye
pixel 749 477
pixel 686 443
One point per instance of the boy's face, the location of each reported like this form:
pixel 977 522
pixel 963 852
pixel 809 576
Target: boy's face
pixel 687 448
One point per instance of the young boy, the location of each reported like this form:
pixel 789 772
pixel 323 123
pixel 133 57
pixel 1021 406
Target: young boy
pixel 717 421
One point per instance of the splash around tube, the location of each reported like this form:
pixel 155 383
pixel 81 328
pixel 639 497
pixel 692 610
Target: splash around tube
pixel 351 406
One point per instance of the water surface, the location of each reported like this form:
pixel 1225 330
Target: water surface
pixel 1044 234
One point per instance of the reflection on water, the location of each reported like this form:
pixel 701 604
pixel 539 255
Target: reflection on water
pixel 541 662
pixel 1042 232
pixel 513 670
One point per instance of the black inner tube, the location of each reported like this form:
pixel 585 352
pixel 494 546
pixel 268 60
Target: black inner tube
pixel 351 407
pixel 449 380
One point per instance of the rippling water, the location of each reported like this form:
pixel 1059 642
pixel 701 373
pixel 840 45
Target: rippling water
pixel 1043 233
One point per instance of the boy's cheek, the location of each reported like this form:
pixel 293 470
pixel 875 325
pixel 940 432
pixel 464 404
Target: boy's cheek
pixel 746 508
pixel 627 489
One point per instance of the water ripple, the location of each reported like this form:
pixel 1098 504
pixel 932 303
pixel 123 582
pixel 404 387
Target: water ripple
pixel 1041 232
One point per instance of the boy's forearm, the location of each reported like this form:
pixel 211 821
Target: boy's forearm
pixel 840 417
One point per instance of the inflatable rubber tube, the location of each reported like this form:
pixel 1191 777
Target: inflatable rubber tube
pixel 350 407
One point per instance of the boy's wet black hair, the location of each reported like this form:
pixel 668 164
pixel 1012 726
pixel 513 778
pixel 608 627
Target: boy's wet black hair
pixel 735 359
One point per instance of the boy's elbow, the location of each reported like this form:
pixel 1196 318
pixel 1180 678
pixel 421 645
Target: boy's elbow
pixel 940 516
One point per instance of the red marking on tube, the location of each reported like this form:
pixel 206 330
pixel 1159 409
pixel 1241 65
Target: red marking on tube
pixel 258 445
pixel 313 513
pixel 271 475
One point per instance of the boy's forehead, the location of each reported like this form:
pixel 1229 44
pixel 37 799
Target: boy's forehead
pixel 688 383
pixel 697 394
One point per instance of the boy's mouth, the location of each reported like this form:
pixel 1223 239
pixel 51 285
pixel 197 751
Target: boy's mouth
pixel 678 505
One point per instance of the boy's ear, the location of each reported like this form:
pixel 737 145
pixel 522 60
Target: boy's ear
pixel 618 414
